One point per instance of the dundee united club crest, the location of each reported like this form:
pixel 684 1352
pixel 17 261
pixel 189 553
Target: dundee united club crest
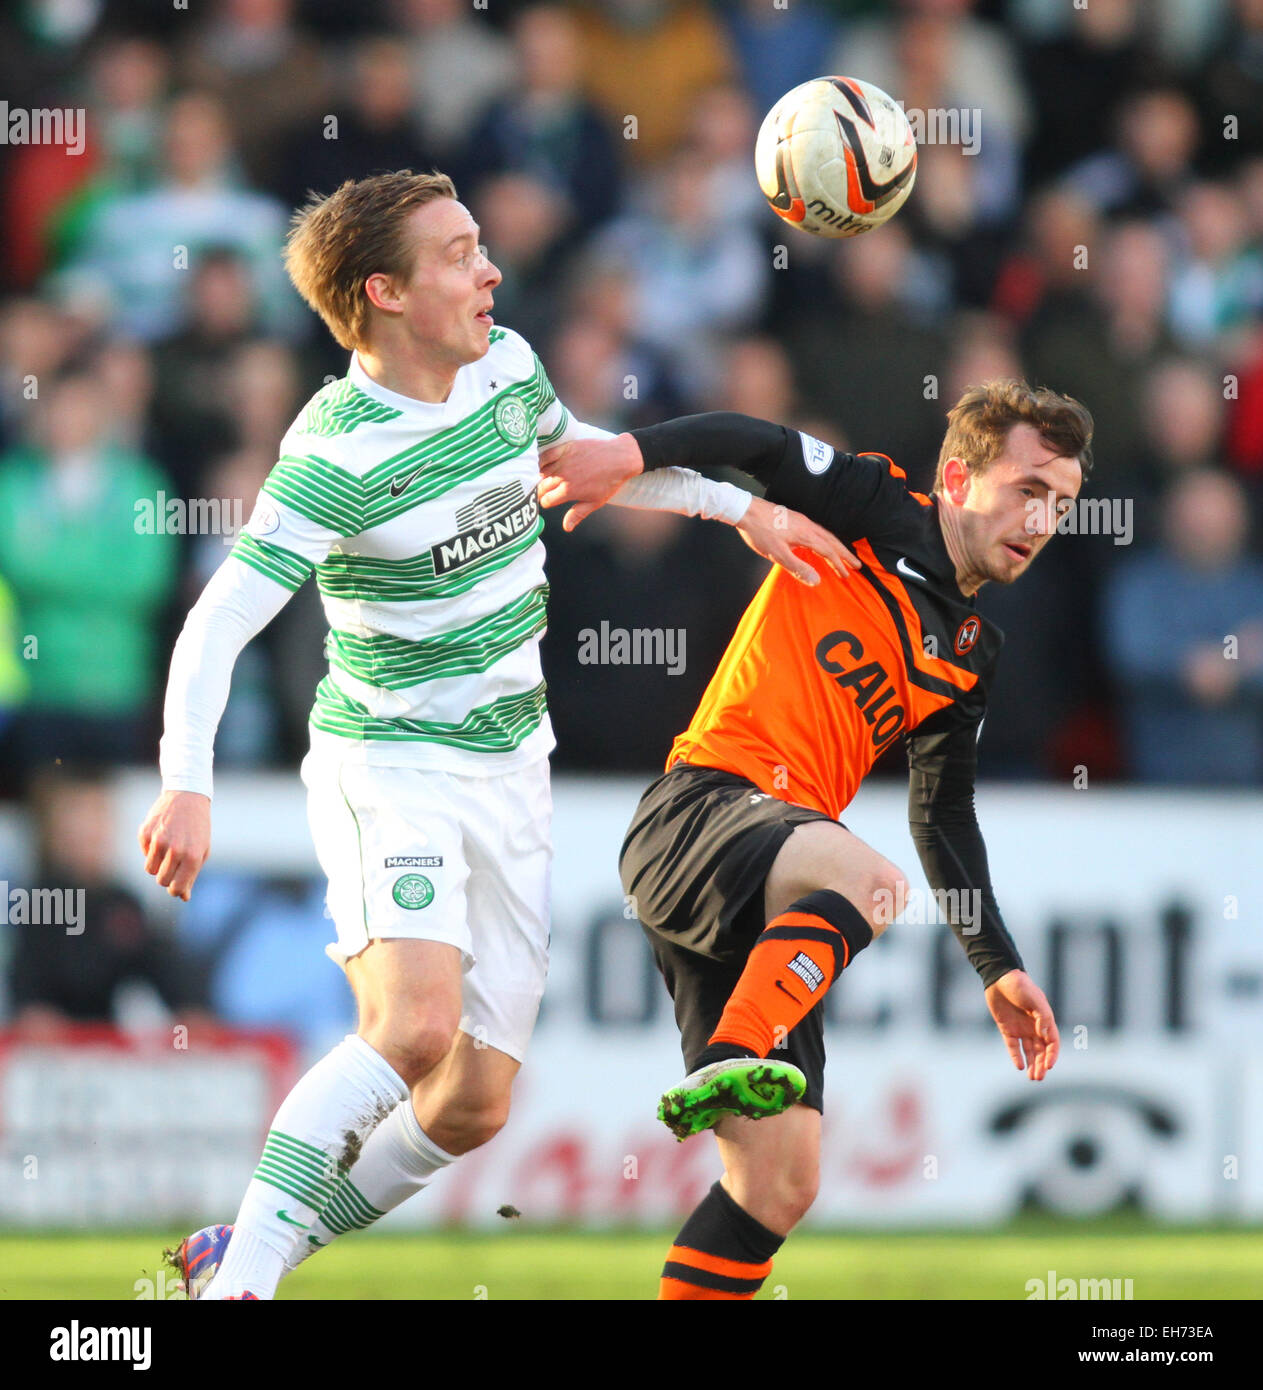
pixel 967 635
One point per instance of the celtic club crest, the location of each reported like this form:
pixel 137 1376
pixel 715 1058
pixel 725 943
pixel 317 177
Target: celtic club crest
pixel 513 420
pixel 413 891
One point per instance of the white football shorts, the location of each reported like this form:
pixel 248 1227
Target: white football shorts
pixel 437 856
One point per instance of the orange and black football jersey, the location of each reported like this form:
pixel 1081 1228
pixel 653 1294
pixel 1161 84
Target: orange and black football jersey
pixel 818 681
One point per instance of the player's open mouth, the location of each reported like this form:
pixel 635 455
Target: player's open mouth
pixel 1020 552
pixel 484 316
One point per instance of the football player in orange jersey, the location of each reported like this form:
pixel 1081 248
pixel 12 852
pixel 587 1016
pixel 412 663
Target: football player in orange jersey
pixel 753 896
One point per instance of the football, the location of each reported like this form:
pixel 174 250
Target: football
pixel 836 157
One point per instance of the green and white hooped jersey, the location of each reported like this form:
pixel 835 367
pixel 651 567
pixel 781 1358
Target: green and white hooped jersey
pixel 422 525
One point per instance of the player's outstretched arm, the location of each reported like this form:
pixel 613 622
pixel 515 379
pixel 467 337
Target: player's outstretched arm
pixel 591 471
pixel 680 490
pixel 608 468
pixel 1025 1019
pixel 770 530
pixel 586 473
pixel 237 603
pixel 847 495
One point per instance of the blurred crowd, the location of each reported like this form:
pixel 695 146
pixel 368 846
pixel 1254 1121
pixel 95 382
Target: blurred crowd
pixel 1102 235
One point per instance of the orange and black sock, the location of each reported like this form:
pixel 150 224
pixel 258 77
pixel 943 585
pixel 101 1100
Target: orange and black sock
pixel 789 970
pixel 721 1252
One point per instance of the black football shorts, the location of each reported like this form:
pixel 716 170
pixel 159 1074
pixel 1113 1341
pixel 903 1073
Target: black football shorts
pixel 694 863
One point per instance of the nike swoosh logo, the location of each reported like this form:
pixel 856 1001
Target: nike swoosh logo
pixel 397 488
pixel 794 997
pixel 285 1216
pixel 905 568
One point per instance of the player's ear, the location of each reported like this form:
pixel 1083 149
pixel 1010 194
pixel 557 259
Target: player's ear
pixel 956 480
pixel 382 294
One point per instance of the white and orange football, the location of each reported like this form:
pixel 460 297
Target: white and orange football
pixel 836 157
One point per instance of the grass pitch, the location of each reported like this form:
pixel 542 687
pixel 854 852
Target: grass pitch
pixel 520 1263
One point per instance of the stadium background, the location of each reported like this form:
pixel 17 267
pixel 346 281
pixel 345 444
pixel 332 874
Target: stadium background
pixel 1104 237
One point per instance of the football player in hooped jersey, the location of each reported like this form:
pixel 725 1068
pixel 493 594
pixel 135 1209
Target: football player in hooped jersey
pixel 409 488
pixel 753 896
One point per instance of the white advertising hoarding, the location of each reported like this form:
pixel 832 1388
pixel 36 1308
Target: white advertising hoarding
pixel 1139 912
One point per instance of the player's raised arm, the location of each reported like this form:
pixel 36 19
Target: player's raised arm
pixel 591 472
pixel 678 490
pixel 850 495
pixel 292 528
pixel 588 468
pixel 942 762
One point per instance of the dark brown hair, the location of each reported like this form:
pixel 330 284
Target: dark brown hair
pixel 979 423
pixel 337 242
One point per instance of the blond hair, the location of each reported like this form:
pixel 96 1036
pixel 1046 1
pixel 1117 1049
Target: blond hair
pixel 337 242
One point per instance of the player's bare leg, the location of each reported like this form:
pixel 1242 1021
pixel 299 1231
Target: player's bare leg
pixel 827 895
pixel 771 1172
pixel 458 1106
pixel 408 994
pixel 409 998
pixel 465 1102
pixel 772 1168
pixel 822 854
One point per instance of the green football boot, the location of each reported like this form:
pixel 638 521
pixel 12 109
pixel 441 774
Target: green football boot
pixel 751 1086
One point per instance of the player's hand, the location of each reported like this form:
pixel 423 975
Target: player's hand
pixel 1025 1020
pixel 773 531
pixel 175 840
pixel 587 473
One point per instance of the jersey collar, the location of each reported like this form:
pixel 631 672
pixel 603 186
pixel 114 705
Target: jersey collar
pixel 360 378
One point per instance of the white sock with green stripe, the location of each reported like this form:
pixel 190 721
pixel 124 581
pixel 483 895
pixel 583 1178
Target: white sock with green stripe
pixel 398 1160
pixel 315 1139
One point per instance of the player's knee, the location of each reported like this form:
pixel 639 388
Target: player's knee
pixel 471 1125
pixel 796 1193
pixel 414 1047
pixel 886 898
pixel 777 1191
pixel 783 1198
